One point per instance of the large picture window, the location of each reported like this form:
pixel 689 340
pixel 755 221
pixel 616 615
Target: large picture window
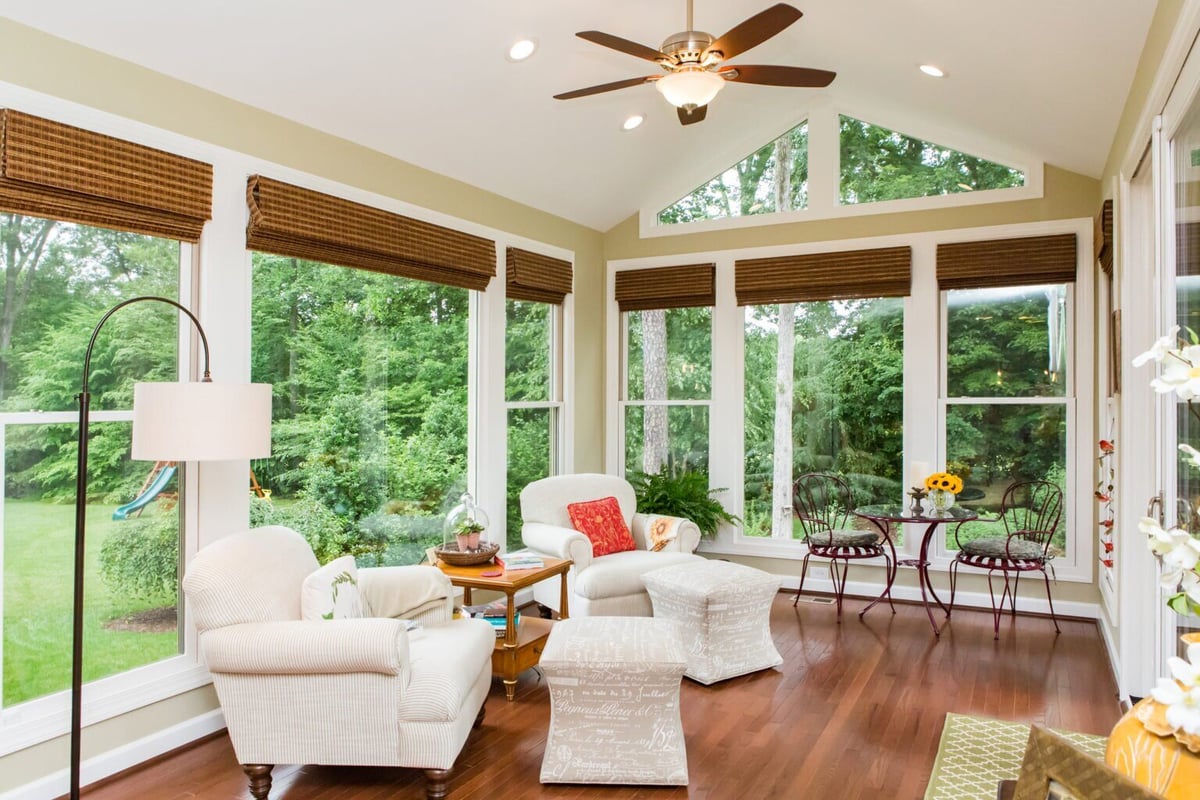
pixel 824 392
pixel 59 279
pixel 370 406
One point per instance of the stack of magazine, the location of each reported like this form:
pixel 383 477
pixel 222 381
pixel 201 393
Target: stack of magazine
pixel 494 613
pixel 523 559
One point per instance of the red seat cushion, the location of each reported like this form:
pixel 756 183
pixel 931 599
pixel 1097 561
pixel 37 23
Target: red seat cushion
pixel 602 522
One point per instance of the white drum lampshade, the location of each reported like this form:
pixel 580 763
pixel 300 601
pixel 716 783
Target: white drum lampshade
pixel 201 421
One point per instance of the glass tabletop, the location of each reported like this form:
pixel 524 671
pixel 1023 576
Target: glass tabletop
pixel 894 512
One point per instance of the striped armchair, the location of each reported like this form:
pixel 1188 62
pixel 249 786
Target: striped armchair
pixel 350 691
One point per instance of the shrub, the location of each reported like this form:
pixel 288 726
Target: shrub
pixel 683 495
pixel 141 558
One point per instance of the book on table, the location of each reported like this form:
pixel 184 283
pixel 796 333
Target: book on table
pixel 523 559
pixel 495 613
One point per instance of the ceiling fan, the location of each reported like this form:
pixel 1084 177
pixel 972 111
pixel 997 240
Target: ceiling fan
pixel 694 62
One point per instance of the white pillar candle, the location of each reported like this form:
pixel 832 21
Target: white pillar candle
pixel 918 473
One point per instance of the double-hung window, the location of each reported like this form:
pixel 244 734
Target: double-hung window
pixel 86 221
pixel 536 289
pixel 666 367
pixel 1008 378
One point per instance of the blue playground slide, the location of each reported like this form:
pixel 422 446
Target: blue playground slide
pixel 160 483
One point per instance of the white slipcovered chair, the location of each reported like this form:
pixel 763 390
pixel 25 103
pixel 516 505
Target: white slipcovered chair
pixel 348 691
pixel 609 585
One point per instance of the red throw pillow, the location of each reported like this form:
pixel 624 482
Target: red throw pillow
pixel 601 521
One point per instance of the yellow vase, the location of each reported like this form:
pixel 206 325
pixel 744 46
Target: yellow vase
pixel 1143 747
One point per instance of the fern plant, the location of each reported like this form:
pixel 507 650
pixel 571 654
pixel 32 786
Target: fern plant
pixel 683 495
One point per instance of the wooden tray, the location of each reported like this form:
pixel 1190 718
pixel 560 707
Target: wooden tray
pixel 450 554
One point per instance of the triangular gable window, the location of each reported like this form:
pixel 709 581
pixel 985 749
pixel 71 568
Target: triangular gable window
pixel 755 185
pixel 881 164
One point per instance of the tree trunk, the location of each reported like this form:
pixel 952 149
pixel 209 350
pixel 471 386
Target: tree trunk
pixel 654 372
pixel 781 500
pixel 23 245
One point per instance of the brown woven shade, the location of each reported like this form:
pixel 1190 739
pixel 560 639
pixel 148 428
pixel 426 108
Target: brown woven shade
pixel 1007 262
pixel 57 171
pixel 686 286
pixel 1103 243
pixel 290 221
pixel 884 272
pixel 533 276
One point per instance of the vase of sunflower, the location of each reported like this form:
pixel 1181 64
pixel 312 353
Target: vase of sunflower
pixel 942 488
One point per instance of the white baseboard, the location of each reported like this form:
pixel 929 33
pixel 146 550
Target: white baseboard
pixel 121 758
pixel 976 600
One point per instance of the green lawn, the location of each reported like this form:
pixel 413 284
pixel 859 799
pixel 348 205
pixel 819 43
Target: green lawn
pixel 38 558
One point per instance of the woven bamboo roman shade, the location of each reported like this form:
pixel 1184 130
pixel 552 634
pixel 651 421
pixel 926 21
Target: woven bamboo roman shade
pixel 533 276
pixel 686 286
pixel 291 221
pixel 883 272
pixel 57 171
pixel 1103 243
pixel 1006 262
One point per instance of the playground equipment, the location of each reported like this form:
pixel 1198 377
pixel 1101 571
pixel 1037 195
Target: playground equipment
pixel 160 475
pixel 156 481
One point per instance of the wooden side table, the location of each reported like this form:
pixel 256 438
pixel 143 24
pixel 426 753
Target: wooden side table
pixel 522 645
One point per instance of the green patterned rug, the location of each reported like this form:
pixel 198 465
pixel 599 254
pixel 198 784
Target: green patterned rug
pixel 976 753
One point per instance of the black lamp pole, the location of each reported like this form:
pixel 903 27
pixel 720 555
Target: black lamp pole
pixel 81 483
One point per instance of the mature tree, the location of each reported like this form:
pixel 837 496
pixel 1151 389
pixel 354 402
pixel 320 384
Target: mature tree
pixel 23 244
pixel 654 372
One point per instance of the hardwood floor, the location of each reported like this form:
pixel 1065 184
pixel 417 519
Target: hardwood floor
pixel 855 711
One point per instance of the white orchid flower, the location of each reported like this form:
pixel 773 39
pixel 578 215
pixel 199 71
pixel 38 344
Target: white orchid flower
pixel 1160 348
pixel 1193 455
pixel 1190 585
pixel 1181 696
pixel 1180 373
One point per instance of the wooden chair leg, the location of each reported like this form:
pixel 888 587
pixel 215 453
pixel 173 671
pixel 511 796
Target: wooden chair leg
pixel 260 779
pixel 437 783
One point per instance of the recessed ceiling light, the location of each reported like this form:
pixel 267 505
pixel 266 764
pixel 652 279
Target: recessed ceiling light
pixel 632 122
pixel 932 71
pixel 522 50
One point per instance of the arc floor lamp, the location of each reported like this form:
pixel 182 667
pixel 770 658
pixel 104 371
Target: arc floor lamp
pixel 187 421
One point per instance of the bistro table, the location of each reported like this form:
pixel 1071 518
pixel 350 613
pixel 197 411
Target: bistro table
pixel 882 515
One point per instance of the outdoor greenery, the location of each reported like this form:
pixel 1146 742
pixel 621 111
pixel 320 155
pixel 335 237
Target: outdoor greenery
pixel 141 558
pixel 749 186
pixel 881 164
pixel 370 405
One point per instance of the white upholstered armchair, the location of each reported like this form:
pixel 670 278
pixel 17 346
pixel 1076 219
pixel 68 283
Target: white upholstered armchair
pixel 361 691
pixel 609 585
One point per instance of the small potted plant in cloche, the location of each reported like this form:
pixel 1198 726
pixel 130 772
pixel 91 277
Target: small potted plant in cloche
pixel 466 522
pixel 467 533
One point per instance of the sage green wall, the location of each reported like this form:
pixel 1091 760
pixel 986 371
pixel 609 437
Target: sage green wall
pixel 52 66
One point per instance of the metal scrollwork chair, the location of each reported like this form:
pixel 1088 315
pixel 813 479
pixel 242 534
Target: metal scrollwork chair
pixel 822 505
pixel 1031 511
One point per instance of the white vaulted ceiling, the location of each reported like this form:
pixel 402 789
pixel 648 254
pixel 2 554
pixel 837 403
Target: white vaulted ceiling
pixel 429 83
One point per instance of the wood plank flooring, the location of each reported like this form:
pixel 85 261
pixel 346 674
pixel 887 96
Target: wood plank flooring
pixel 855 711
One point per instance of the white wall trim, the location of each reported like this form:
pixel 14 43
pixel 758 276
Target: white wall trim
pixel 121 758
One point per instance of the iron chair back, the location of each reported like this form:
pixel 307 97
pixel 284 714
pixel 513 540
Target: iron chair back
pixel 821 502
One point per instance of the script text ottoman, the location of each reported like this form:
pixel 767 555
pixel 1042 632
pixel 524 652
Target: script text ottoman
pixel 614 702
pixel 724 612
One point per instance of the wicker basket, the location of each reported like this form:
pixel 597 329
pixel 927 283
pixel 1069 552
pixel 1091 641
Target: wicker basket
pixel 450 554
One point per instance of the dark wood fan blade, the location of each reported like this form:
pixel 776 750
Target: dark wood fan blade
pixel 754 31
pixel 779 76
pixel 697 114
pixel 623 45
pixel 604 87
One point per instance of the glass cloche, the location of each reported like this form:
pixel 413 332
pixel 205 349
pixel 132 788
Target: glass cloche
pixel 465 524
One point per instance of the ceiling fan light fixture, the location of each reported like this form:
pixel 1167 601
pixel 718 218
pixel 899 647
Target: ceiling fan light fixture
pixel 690 88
